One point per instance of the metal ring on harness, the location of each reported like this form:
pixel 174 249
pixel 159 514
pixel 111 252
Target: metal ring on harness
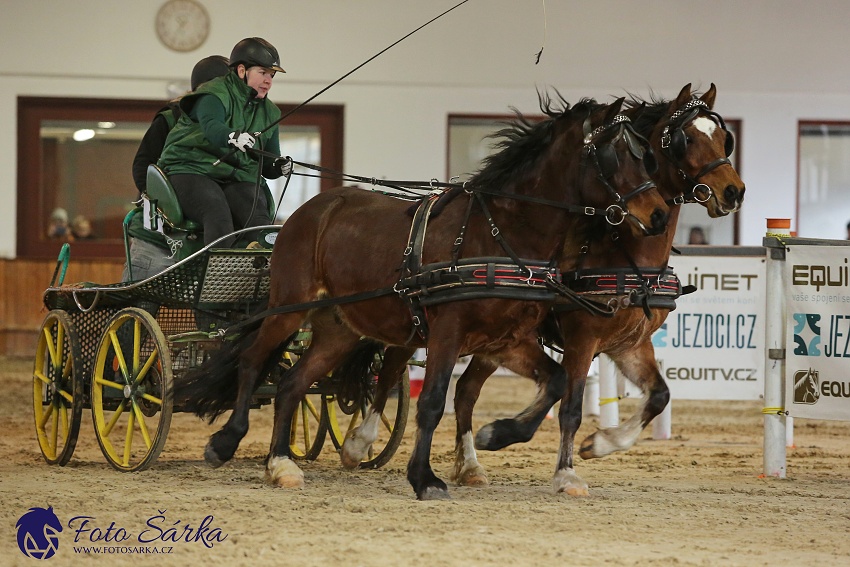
pixel 696 192
pixel 615 215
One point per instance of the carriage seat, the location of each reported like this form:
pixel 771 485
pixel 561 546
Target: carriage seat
pixel 160 191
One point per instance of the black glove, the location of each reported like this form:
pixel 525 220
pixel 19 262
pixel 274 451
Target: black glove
pixel 284 165
pixel 241 140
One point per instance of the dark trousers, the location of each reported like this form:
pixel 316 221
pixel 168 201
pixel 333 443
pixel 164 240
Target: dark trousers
pixel 220 207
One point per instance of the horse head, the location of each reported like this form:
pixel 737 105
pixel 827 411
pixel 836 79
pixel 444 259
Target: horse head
pixel 695 146
pixel 617 161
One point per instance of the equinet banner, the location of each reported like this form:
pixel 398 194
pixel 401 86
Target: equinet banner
pixel 817 344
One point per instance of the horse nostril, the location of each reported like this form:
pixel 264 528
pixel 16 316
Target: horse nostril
pixel 659 221
pixel 731 194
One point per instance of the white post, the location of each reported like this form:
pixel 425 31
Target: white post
pixel 661 426
pixel 774 395
pixel 609 406
pixel 591 395
pixel 789 432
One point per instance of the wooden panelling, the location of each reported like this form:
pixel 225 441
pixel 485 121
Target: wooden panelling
pixel 22 285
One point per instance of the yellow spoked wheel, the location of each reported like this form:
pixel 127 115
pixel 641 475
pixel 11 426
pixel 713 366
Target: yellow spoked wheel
pixel 343 417
pixel 131 390
pixel 57 388
pixel 308 432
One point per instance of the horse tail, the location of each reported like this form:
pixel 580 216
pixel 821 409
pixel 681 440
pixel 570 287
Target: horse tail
pixel 211 389
pixel 354 374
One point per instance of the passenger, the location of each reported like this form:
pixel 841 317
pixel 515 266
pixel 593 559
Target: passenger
pixel 150 258
pixel 223 120
pixel 81 228
pixel 57 227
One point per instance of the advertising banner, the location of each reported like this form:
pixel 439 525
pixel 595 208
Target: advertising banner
pixel 712 346
pixel 817 349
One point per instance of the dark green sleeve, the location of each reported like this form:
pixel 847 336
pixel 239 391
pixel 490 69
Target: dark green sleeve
pixel 209 112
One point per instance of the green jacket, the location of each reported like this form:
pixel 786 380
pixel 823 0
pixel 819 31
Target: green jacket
pixel 187 150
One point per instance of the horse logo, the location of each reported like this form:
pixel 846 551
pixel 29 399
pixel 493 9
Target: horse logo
pixel 807 334
pixel 806 386
pixel 38 533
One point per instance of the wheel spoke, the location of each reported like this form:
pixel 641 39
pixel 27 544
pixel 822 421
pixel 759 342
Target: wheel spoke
pixel 63 413
pixel 110 383
pixel 41 376
pixel 45 417
pixel 137 342
pixel 148 363
pixel 115 416
pixel 54 433
pixel 385 420
pixel 309 403
pixel 305 425
pixel 142 425
pixel 128 441
pixel 119 354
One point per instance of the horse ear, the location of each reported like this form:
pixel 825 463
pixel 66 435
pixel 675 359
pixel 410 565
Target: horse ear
pixel 709 96
pixel 614 109
pixel 684 95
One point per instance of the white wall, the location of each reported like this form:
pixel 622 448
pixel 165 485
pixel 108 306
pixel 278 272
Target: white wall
pixel 774 62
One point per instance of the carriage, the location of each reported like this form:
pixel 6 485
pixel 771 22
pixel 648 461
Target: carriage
pixel 117 349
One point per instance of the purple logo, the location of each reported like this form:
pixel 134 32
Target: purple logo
pixel 38 533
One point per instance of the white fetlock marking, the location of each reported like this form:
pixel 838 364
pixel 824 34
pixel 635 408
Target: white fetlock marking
pixel 567 481
pixel 468 471
pixel 358 442
pixel 283 472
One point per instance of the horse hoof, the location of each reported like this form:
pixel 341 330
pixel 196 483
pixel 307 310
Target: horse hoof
pixel 435 493
pixel 349 461
pixel 283 473
pixel 211 457
pixel 473 477
pixel 484 437
pixel 566 481
pixel 586 449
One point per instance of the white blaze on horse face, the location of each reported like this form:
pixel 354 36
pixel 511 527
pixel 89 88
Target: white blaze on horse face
pixel 705 125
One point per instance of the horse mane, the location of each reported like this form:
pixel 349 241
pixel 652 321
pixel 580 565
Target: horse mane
pixel 522 142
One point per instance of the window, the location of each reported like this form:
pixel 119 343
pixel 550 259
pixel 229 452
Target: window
pixel 721 231
pixel 823 185
pixel 75 158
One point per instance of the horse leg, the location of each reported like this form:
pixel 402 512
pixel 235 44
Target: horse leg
pixel 254 364
pixel 528 359
pixel 444 349
pixel 359 440
pixel 467 471
pixel 576 363
pixel 329 346
pixel 639 366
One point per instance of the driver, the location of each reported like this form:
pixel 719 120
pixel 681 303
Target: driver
pixel 225 117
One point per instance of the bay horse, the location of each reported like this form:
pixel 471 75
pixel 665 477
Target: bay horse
pixel 694 146
pixel 346 241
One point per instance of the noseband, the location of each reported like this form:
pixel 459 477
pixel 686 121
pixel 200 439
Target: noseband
pixel 674 146
pixel 604 159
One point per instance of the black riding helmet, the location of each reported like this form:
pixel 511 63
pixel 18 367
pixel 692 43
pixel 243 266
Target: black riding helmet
pixel 256 52
pixel 209 68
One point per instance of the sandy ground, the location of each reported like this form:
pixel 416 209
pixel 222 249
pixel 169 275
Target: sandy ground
pixel 694 500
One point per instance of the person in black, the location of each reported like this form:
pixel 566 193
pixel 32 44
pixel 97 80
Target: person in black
pixel 149 257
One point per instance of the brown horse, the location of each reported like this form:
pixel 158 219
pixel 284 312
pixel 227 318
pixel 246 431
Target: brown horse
pixel 694 167
pixel 346 242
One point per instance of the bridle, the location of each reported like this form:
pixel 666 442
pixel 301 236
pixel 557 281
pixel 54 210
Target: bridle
pixel 674 145
pixel 604 159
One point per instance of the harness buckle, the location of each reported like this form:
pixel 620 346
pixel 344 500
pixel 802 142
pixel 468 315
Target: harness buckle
pixel 589 211
pixel 408 250
pixel 494 231
pixel 458 241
